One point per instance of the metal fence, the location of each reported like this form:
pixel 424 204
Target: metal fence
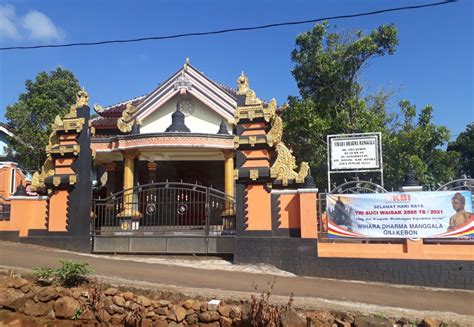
pixel 165 208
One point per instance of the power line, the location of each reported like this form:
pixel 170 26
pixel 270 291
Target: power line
pixel 229 30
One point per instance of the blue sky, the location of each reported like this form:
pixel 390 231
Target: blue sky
pixel 433 63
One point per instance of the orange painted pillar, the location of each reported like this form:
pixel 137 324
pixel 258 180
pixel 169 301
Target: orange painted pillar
pixel 308 212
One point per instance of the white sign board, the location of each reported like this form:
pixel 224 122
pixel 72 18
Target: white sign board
pixel 352 153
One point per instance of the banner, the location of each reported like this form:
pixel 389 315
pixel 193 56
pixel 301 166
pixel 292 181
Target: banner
pixel 401 215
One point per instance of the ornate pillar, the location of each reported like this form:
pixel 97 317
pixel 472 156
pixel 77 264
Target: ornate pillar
pixel 229 180
pixel 110 169
pixel 151 171
pixel 128 173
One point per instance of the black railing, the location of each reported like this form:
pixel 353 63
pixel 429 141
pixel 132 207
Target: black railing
pixel 166 208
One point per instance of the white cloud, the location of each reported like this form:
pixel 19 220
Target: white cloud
pixel 8 27
pixel 40 27
pixel 33 25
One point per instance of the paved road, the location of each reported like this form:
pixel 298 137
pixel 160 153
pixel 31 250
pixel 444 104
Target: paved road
pixel 441 300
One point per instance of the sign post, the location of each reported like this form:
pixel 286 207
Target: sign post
pixel 353 153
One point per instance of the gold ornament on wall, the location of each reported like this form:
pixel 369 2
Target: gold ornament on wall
pixel 284 166
pixel 125 123
pixel 82 99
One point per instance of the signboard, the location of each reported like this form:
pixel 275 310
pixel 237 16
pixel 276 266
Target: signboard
pixel 401 215
pixel 354 152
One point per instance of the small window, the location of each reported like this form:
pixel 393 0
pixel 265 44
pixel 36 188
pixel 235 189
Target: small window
pixel 13 181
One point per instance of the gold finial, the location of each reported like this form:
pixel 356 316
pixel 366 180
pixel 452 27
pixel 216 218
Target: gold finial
pixel 242 84
pixel 126 122
pixel 82 99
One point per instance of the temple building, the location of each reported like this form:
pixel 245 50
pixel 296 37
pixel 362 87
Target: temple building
pixel 180 131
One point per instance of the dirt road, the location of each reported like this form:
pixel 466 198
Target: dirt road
pixel 143 273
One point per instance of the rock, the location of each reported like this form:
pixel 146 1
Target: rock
pixel 161 323
pixel 76 293
pixel 196 305
pixel 173 324
pixel 225 322
pixel 62 291
pixel 430 322
pixel 224 310
pixel 116 309
pixel 111 291
pixel 190 312
pixel 117 318
pixel 47 294
pixel 25 288
pixel 192 319
pixel 180 314
pixel 143 300
pixel 150 314
pixel 66 307
pixel 321 318
pixel 134 306
pixel 203 307
pixel 209 316
pixel 128 296
pixel 290 318
pixel 341 323
pixel 188 304
pixel 38 309
pixel 118 300
pixel 213 305
pixel 146 323
pixel 211 324
pixel 235 312
pixel 103 315
pixel 163 303
pixel 12 299
pixel 162 311
pixel 19 283
pixel 364 321
pixel 88 315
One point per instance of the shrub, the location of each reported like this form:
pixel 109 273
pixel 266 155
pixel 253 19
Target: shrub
pixel 68 274
pixel 44 275
pixel 72 273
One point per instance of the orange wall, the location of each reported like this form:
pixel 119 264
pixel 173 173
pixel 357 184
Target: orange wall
pixel 308 212
pixel 289 211
pixel 408 250
pixel 58 211
pixel 26 213
pixel 259 208
pixel 5 179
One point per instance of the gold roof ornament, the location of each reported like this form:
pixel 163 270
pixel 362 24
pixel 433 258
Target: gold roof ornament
pixel 125 123
pixel 82 99
pixel 284 166
pixel 98 108
pixel 276 132
pixel 244 89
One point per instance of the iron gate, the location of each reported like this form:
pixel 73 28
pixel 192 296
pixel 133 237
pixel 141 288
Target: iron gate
pixel 164 217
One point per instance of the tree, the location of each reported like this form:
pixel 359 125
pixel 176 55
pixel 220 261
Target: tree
pixel 416 145
pixel 327 67
pixel 30 118
pixel 464 145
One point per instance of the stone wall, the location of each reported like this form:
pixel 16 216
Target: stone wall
pixel 300 256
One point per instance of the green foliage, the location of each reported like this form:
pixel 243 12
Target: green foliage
pixel 416 145
pixel 327 67
pixel 77 314
pixel 72 273
pixel 464 145
pixel 68 274
pixel 30 118
pixel 44 275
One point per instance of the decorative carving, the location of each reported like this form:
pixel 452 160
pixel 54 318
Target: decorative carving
pixel 304 171
pixel 183 83
pixel 276 132
pixel 125 123
pixel 67 124
pixel 82 99
pixel 253 175
pixel 98 108
pixel 284 165
pixel 244 89
pixel 37 180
